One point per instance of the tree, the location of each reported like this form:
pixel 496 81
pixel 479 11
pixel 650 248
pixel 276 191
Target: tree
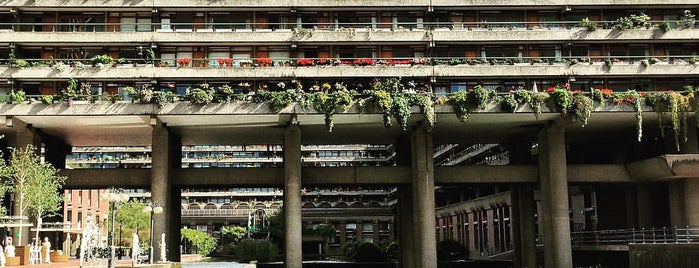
pixel 232 234
pixel 204 242
pixel 132 215
pixel 35 184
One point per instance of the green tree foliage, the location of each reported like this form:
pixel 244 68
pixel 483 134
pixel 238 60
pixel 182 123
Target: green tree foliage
pixel 133 216
pixel 35 184
pixel 232 234
pixel 260 250
pixel 204 242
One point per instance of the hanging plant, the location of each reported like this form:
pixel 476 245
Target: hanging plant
pixel 538 99
pixel 384 101
pixel 512 101
pixel 678 106
pixel 634 99
pixel 401 110
pixel 582 107
pixel 426 106
pixel 200 96
pixel 601 95
pixel 162 97
pixel 277 100
pixel 465 102
pixel 561 100
pixel 327 103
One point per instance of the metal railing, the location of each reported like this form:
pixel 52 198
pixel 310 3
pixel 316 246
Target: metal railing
pixel 65 64
pixel 687 234
pixel 333 26
pixel 221 212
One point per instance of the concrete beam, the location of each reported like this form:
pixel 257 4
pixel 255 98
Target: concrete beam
pixel 104 178
pixel 194 177
pixel 665 167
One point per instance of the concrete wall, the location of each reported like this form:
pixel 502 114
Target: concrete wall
pixel 664 255
pixel 465 71
pixel 336 3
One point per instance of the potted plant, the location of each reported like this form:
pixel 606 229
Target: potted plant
pixel 70 92
pixel 183 62
pixel 305 62
pixel 264 62
pixel 224 62
pixel 245 63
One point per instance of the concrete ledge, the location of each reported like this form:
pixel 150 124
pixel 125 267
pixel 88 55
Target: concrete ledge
pixel 561 34
pixel 465 71
pixel 664 255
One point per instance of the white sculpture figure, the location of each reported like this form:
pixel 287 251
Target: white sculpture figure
pixel 135 250
pixel 10 250
pixel 2 257
pixel 34 253
pixel 47 245
pixel 162 248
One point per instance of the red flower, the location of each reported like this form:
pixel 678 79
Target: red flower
pixel 305 62
pixel 550 89
pixel 267 61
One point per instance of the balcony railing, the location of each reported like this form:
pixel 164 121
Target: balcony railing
pixel 246 64
pixel 299 28
pixel 225 213
pixel 687 234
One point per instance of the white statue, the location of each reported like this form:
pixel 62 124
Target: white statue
pixel 163 248
pixel 10 250
pixel 2 257
pixel 47 245
pixel 135 249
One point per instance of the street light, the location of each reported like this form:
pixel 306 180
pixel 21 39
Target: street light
pixel 152 208
pixel 114 197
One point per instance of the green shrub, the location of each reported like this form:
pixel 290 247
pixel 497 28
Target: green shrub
pixel 450 250
pixel 368 252
pixel 204 242
pixel 255 250
pixel 18 96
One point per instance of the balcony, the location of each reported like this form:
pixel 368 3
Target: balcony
pixel 416 4
pixel 254 33
pixel 423 67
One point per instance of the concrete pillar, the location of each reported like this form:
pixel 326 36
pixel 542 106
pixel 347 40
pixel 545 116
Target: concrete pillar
pixel 527 227
pixel 56 151
pixel 630 199
pixel 554 196
pixel 359 232
pixel 375 229
pixel 676 203
pixel 490 233
pixel 166 153
pixel 405 230
pixel 342 227
pixel 423 201
pixel 691 201
pixel 644 206
pixel 292 197
pixel 470 218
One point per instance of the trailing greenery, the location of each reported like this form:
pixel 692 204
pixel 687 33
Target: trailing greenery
pixel 538 99
pixel 466 102
pixel 328 103
pixel 678 106
pixel 587 23
pixel 512 101
pixel 70 91
pixel 162 97
pixel 18 96
pixel 632 22
pixel 204 242
pixel 201 95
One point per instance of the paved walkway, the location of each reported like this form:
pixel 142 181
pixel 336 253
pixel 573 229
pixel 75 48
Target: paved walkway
pixel 75 263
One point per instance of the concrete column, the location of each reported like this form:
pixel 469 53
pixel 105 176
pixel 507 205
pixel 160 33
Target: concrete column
pixel 375 228
pixel 470 218
pixel 554 196
pixel 56 151
pixel 292 197
pixel 691 201
pixel 644 206
pixel 405 230
pixel 515 219
pixel 342 227
pixel 166 152
pixel 630 195
pixel 676 203
pixel 359 232
pixel 423 201
pixel 490 233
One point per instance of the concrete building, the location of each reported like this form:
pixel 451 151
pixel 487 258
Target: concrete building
pixel 560 177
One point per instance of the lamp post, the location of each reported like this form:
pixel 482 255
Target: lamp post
pixel 114 197
pixel 152 208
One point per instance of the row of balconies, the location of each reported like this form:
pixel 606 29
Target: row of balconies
pixel 454 67
pixel 319 4
pixel 460 33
